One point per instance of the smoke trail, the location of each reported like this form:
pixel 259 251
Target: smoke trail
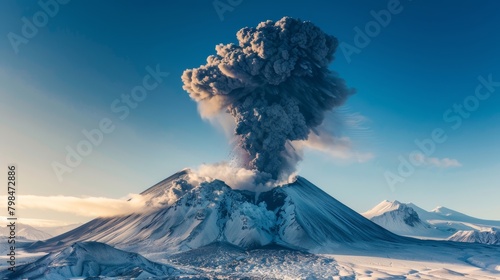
pixel 275 84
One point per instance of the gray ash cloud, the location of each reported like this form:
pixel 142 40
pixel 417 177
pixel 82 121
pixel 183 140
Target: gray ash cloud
pixel 275 84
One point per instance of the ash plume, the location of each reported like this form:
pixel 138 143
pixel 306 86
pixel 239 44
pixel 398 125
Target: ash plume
pixel 275 84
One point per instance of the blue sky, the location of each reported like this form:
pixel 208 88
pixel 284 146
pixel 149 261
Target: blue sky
pixel 427 58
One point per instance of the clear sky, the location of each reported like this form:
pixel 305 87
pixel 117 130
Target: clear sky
pixel 429 70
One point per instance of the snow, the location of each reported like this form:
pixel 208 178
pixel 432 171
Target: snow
pixel 402 219
pixel 91 259
pixel 203 214
pixel 382 207
pixel 297 215
pixel 442 216
pixel 490 236
pixel 296 231
pixel 321 220
pixel 168 191
pixel 255 225
pixel 220 260
pixel 425 260
pixel 374 261
pixel 441 223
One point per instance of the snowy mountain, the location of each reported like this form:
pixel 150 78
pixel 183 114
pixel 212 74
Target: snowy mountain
pixel 398 218
pixel 441 215
pixel 441 223
pixel 202 228
pixel 491 236
pixel 27 232
pixel 192 215
pixel 91 259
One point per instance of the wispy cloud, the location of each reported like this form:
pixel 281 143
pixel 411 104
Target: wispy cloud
pixel 335 147
pixel 81 206
pixel 436 162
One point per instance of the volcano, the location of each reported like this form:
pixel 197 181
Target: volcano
pixel 185 216
pixel 203 228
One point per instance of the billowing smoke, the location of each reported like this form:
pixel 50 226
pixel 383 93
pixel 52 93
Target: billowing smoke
pixel 275 84
pixel 237 177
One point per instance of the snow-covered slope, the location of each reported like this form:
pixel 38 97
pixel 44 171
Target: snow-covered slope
pixel 91 259
pixel 441 223
pixel 298 215
pixel 491 236
pixel 307 217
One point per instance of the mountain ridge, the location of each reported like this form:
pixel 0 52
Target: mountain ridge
pixel 440 223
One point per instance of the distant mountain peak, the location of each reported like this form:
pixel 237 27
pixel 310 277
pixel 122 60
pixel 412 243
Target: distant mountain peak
pixel 397 217
pixel 29 232
pixel 440 223
pixel 383 207
pixel 486 236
